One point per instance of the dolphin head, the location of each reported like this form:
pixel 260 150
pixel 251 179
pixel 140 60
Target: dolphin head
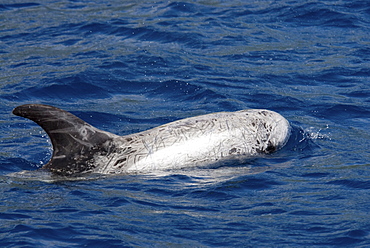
pixel 272 130
pixel 279 133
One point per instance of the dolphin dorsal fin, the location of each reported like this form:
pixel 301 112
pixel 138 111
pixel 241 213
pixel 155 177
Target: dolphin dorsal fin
pixel 74 141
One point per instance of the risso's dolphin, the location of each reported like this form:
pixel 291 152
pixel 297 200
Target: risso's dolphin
pixel 204 140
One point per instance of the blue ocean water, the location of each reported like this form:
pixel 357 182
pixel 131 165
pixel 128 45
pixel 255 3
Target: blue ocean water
pixel 125 67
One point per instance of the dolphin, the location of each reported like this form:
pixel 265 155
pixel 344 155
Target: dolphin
pixel 205 140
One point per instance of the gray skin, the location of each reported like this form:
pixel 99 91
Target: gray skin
pixel 212 139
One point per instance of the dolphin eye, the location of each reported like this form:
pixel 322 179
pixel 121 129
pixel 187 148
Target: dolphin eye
pixel 270 148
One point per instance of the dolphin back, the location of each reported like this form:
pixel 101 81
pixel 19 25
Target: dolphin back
pixel 75 142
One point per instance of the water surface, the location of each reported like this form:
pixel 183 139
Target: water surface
pixel 126 67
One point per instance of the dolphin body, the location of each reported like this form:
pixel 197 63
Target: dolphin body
pixel 211 139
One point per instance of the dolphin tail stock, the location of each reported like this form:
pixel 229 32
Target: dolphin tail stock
pixel 74 141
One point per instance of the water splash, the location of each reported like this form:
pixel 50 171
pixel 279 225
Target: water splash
pixel 313 134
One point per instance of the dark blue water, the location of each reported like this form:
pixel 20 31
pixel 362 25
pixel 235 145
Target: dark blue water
pixel 125 67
